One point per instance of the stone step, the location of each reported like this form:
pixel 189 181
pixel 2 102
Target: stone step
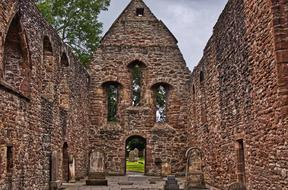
pixel 125 183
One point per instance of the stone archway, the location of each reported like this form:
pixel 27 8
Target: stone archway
pixel 131 144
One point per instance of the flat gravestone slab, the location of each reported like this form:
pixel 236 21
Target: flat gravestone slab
pixel 125 183
pixel 96 182
pixel 137 178
pixel 156 179
pixel 237 186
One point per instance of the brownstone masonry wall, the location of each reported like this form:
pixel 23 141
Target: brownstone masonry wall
pixel 239 110
pixel 233 106
pixel 43 93
pixel 147 40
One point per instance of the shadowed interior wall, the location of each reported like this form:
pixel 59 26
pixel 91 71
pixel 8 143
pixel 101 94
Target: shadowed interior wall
pixel 32 120
pixel 244 97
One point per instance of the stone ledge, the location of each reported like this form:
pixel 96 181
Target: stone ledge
pixel 111 126
pixel 136 109
pixel 165 127
pixel 9 89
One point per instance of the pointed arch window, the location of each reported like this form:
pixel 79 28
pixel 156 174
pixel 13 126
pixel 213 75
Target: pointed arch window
pixel 112 92
pixel 136 69
pixel 64 85
pixel 161 91
pixel 64 60
pixel 48 64
pixel 16 63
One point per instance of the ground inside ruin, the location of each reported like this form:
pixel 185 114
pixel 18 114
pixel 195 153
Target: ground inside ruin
pixel 132 181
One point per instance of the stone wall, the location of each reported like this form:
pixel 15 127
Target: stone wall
pixel 145 39
pixel 43 92
pixel 243 97
pixel 233 106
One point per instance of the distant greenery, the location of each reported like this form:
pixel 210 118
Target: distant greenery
pixel 136 84
pixel 112 90
pixel 136 166
pixel 161 94
pixel 76 22
pixel 136 142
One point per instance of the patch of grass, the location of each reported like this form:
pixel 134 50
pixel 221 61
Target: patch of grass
pixel 135 166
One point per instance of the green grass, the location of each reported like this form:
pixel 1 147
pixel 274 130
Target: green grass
pixel 135 166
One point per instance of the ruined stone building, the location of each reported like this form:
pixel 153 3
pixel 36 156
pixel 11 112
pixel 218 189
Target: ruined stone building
pixel 233 106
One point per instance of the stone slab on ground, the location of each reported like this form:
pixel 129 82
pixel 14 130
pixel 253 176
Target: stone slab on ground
pixel 137 178
pixel 116 183
pixel 125 183
pixel 96 182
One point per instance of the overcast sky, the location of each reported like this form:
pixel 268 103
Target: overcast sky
pixel 191 21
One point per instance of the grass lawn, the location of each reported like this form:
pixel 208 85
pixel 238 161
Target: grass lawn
pixel 135 166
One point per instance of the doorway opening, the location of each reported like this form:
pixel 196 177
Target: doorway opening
pixel 65 162
pixel 135 155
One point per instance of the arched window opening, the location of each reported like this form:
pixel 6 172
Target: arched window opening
pixel 48 64
pixel 136 85
pixel 64 60
pixel 112 91
pixel 16 58
pixel 64 99
pixel 201 76
pixel 136 69
pixel 47 47
pixel 161 94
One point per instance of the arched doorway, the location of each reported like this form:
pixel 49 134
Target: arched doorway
pixel 65 163
pixel 135 154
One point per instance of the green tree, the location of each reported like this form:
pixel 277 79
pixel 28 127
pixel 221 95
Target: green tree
pixel 112 91
pixel 161 94
pixel 136 142
pixel 76 22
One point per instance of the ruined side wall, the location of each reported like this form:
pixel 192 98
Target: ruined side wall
pixel 39 123
pixel 241 98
